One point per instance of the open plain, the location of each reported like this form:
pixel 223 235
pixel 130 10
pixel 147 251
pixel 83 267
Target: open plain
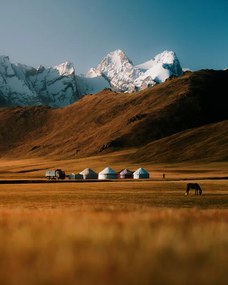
pixel 122 232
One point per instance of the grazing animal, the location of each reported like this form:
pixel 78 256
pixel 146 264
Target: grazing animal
pixel 198 190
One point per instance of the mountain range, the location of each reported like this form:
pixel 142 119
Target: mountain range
pixel 59 86
pixel 184 118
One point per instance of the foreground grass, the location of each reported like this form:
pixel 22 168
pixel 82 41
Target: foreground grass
pixel 113 233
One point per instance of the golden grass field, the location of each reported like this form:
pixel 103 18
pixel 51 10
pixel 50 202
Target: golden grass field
pixel 123 232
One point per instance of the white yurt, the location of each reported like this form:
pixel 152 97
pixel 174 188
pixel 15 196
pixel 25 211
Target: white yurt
pixel 141 173
pixel 107 173
pixel 88 173
pixel 125 174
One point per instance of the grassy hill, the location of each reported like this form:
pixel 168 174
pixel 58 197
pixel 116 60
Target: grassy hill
pixel 174 121
pixel 207 143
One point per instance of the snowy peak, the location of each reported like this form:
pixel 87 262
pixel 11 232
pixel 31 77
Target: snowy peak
pixel 117 59
pixel 56 86
pixel 123 76
pixel 21 85
pixel 93 73
pixel 59 86
pixel 169 61
pixel 66 68
pixel 166 57
pixel 158 69
pixel 166 60
pixel 118 71
pixel 14 87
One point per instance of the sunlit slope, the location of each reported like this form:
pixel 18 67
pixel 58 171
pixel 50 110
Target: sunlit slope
pixel 110 121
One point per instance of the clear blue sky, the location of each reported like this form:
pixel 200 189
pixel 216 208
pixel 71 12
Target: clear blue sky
pixel 50 32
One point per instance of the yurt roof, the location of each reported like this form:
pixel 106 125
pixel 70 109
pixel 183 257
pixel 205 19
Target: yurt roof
pixel 141 171
pixel 87 171
pixel 107 170
pixel 126 171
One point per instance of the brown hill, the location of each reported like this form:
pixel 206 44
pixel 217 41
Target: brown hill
pixel 110 121
pixel 206 143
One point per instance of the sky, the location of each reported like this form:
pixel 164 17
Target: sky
pixel 49 32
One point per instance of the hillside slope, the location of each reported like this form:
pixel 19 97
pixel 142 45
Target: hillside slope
pixel 110 121
pixel 206 143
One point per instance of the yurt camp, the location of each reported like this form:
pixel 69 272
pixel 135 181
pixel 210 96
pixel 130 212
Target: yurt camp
pixel 88 173
pixel 125 174
pixel 141 173
pixel 107 173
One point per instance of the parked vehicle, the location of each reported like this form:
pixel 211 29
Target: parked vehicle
pixel 55 174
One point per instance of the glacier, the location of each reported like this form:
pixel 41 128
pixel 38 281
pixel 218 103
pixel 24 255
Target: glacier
pixel 59 86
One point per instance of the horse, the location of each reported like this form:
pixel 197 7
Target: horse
pixel 198 190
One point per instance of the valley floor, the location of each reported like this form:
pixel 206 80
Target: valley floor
pixel 139 232
pixel 114 233
pixel 34 168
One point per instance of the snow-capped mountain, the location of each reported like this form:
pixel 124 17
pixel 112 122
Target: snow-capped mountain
pixel 160 68
pixel 123 76
pixel 59 86
pixel 56 86
pixel 21 85
pixel 118 71
pixel 15 88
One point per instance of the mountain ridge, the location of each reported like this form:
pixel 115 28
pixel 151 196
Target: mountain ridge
pixel 108 122
pixel 59 86
pixel 123 76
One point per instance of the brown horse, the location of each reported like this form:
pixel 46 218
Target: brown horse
pixel 198 190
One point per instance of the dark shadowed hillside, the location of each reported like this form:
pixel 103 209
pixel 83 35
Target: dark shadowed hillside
pixel 206 143
pixel 111 121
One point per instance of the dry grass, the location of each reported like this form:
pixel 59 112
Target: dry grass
pixel 35 168
pixel 134 232
pixel 113 233
pixel 208 143
pixel 110 121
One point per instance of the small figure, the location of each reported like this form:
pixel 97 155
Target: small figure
pixel 163 175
